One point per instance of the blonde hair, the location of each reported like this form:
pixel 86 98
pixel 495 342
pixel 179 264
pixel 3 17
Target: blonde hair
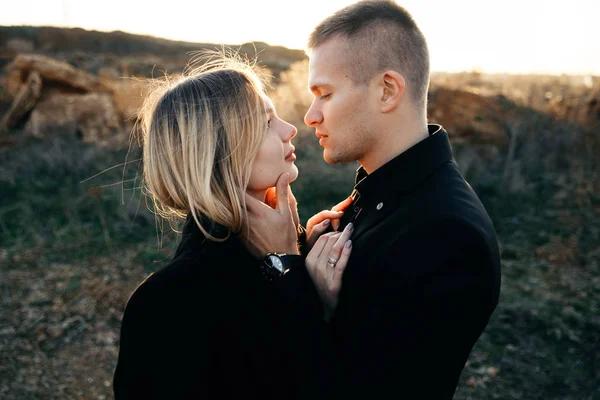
pixel 201 133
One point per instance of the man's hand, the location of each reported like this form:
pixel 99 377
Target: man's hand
pixel 272 227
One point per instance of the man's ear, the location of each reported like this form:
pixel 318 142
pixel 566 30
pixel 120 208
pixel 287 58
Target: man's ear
pixel 393 85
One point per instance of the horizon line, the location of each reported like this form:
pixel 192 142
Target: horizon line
pixel 473 70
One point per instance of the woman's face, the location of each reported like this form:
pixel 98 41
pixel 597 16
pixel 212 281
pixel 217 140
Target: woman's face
pixel 276 154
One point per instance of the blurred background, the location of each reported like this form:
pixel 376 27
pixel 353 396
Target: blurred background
pixel 515 83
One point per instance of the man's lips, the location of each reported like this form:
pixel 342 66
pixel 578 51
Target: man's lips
pixel 322 137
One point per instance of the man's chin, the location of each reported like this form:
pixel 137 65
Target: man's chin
pixel 330 158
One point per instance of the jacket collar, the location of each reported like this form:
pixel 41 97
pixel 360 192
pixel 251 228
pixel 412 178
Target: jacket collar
pixel 377 195
pixel 193 239
pixel 404 172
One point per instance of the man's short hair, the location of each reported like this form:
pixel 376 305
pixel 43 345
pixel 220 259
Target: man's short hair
pixel 381 35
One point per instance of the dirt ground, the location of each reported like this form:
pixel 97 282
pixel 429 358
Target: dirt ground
pixel 60 326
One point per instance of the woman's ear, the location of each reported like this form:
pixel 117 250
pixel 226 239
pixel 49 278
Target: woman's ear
pixel 393 90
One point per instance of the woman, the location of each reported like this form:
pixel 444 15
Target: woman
pixel 209 324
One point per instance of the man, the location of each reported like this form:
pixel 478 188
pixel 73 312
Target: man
pixel 424 274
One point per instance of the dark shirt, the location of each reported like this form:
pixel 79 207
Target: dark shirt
pixel 422 280
pixel 209 326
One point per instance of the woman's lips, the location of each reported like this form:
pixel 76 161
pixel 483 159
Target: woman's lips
pixel 291 156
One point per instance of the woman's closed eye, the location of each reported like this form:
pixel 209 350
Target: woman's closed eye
pixel 325 96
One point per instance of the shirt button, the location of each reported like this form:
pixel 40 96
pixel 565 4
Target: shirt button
pixel 379 206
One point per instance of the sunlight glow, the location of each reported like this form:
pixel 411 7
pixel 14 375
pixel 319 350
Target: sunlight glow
pixel 516 36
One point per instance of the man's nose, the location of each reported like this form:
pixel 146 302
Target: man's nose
pixel 313 116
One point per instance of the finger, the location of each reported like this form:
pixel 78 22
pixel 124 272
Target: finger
pixel 316 232
pixel 336 250
pixel 340 267
pixel 342 205
pixel 324 246
pixel 322 216
pixel 315 252
pixel 335 224
pixel 282 188
pixel 293 206
pixel 291 197
pixel 319 229
pixel 332 238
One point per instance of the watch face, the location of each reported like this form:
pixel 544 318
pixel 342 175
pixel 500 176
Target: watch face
pixel 274 265
pixel 271 267
pixel 276 262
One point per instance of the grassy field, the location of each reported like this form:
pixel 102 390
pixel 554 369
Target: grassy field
pixel 74 245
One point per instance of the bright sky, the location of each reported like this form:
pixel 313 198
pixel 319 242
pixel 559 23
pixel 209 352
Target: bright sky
pixel 517 36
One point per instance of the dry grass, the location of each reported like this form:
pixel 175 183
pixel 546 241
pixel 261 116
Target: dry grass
pixel 71 252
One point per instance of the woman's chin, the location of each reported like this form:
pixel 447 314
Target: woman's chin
pixel 293 173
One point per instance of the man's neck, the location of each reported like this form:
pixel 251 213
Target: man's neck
pixel 393 143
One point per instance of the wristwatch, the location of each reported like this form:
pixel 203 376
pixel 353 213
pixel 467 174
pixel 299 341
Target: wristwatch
pixel 277 264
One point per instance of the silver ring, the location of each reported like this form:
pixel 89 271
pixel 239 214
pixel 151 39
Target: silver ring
pixel 332 261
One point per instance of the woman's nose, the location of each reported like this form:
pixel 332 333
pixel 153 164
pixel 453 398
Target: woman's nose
pixel 292 132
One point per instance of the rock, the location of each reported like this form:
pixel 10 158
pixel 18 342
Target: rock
pixel 90 116
pixel 19 45
pixel 25 100
pixel 128 95
pixel 480 119
pixel 108 74
pixel 57 71
pixel 13 82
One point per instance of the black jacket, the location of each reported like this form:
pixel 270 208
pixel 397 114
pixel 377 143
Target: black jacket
pixel 208 326
pixel 422 280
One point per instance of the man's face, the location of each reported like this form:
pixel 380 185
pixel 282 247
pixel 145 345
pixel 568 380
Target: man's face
pixel 342 111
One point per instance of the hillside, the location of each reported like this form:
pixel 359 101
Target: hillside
pixel 76 236
pixel 134 54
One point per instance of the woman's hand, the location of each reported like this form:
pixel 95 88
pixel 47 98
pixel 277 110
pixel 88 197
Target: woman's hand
pixel 326 263
pixel 271 227
pixel 271 200
pixel 319 223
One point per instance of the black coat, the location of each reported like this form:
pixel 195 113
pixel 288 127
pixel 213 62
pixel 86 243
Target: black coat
pixel 422 280
pixel 208 326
